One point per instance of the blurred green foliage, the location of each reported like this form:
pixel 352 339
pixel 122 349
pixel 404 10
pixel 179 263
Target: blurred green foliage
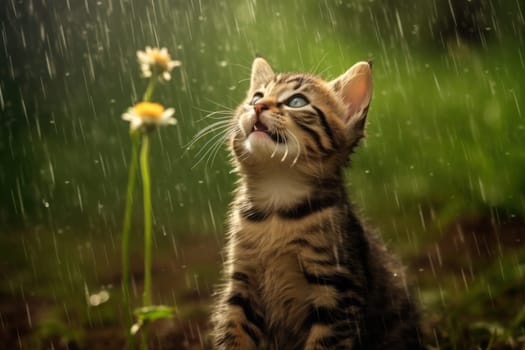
pixel 446 128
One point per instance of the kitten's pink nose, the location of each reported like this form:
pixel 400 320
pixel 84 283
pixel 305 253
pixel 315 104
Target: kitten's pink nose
pixel 265 103
pixel 260 107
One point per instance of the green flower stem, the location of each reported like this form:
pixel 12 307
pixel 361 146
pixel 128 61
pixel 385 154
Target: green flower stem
pixel 150 89
pixel 126 228
pixel 146 189
pixel 144 341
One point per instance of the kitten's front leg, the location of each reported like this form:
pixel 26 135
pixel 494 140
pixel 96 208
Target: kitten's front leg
pixel 333 329
pixel 334 316
pixel 328 337
pixel 238 323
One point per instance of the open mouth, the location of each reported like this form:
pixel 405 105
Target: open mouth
pixel 261 127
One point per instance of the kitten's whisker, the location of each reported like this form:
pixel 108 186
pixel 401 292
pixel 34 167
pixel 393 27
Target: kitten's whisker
pixel 211 114
pixel 286 147
pixel 314 70
pixel 218 129
pixel 243 66
pixel 298 147
pixel 210 140
pixel 242 80
pixel 274 150
pixel 214 110
pixel 212 153
pixel 242 157
pixel 220 111
pixel 223 117
pixel 216 148
pixel 204 152
pixel 217 116
pixel 217 126
pixel 223 131
pixel 276 145
pixel 219 104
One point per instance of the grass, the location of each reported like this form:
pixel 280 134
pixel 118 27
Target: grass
pixel 437 142
pixel 485 312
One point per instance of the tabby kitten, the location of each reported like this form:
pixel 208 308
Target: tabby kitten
pixel 301 272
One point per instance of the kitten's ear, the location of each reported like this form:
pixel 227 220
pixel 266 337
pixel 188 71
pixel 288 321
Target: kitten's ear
pixel 261 73
pixel 354 87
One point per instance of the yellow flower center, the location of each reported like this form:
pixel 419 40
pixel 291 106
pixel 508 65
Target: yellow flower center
pixel 149 110
pixel 160 59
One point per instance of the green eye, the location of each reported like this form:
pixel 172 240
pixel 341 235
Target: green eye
pixel 256 97
pixel 297 101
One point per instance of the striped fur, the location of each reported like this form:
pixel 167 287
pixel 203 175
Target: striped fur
pixel 300 271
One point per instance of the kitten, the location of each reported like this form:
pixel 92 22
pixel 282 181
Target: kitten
pixel 301 272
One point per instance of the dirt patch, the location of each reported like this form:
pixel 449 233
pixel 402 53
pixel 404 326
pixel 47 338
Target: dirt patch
pixel 183 276
pixel 473 243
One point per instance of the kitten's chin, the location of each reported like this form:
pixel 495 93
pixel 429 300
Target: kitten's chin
pixel 259 143
pixel 261 147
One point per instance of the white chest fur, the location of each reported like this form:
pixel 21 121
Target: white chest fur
pixel 277 189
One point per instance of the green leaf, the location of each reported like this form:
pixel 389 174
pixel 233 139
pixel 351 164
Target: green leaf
pixel 148 314
pixel 154 312
pixel 487 329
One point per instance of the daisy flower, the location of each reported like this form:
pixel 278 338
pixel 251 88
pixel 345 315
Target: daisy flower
pixel 156 61
pixel 148 115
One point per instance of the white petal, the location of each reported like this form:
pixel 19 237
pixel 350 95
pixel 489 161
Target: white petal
pixel 142 56
pixel 128 117
pixel 167 121
pixel 168 113
pixel 146 71
pixel 174 64
pixel 166 75
pixel 135 124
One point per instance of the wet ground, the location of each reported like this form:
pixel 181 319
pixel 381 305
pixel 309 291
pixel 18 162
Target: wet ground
pixel 446 273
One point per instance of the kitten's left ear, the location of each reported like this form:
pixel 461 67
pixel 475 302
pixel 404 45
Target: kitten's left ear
pixel 354 87
pixel 261 73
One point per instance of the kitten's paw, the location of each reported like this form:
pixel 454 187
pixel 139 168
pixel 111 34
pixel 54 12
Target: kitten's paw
pixel 235 338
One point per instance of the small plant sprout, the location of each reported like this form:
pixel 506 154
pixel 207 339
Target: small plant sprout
pixel 144 117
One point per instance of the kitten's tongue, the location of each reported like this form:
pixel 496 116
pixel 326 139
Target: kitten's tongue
pixel 259 127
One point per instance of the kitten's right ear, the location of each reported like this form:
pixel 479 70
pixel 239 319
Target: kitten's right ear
pixel 354 88
pixel 261 73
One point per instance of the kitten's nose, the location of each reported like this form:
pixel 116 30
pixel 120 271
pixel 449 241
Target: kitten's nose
pixel 264 104
pixel 260 107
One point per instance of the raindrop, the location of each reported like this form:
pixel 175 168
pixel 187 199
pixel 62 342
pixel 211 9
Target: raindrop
pixel 2 103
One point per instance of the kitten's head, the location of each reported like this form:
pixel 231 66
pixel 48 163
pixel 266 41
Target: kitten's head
pixel 299 120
